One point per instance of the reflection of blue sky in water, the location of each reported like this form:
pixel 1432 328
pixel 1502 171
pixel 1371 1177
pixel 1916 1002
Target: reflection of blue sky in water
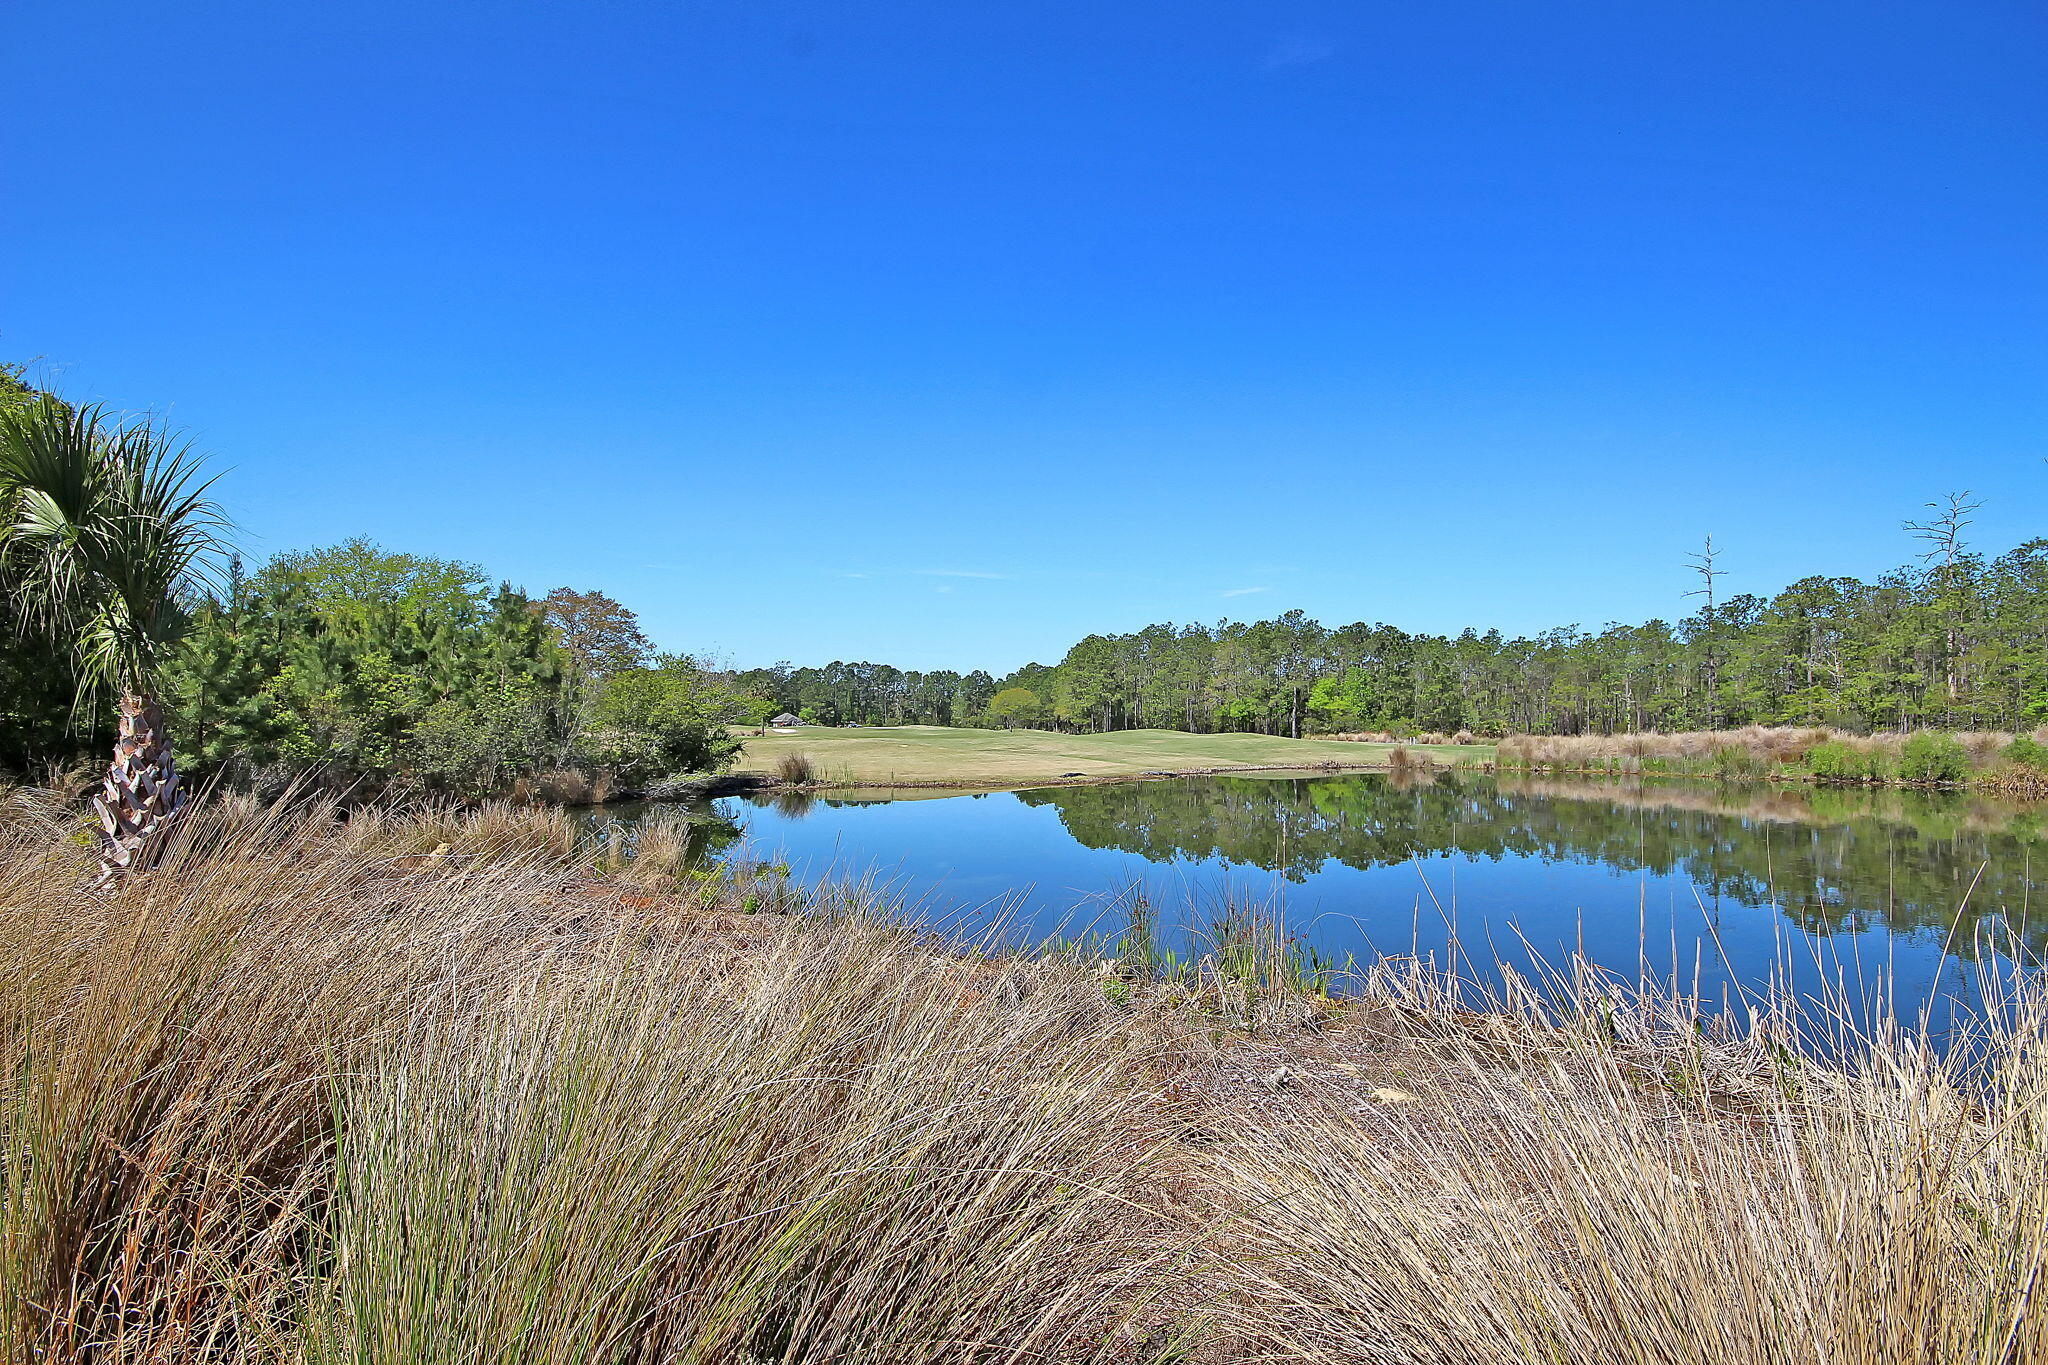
pixel 1674 879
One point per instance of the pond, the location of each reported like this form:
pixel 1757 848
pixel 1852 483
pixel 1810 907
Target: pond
pixel 1722 888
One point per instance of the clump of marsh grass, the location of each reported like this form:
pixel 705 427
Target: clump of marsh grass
pixel 499 829
pixel 1402 759
pixel 1616 1205
pixel 170 1051
pixel 1234 956
pixel 656 853
pixel 295 1095
pixel 1389 737
pixel 494 830
pixel 1983 746
pixel 796 770
pixel 2021 768
pixel 571 787
pixel 780 1172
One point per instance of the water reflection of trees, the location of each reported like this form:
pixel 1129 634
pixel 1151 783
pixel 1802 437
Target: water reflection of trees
pixel 1831 860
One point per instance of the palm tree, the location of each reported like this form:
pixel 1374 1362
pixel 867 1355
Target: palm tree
pixel 106 533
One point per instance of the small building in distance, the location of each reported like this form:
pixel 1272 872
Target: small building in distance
pixel 784 721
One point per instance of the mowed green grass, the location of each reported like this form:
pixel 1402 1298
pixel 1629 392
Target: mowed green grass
pixel 938 755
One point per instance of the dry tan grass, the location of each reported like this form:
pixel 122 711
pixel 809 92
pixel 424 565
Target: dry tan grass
pixel 797 770
pixel 1984 746
pixel 1428 737
pixel 1402 760
pixel 655 854
pixel 2016 779
pixel 1892 1212
pixel 567 787
pixel 1771 747
pixel 304 1093
pixel 1988 811
pixel 415 1087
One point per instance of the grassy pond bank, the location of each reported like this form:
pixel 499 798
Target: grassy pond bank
pixel 910 756
pixel 431 1086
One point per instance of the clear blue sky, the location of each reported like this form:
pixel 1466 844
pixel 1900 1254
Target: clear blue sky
pixel 943 334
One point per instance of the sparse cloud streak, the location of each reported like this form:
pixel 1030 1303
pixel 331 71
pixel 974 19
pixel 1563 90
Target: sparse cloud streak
pixel 928 573
pixel 1243 592
pixel 1297 49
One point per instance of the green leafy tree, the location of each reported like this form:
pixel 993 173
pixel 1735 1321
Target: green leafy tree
pixel 1016 706
pixel 602 635
pixel 672 718
pixel 343 584
pixel 215 682
pixel 426 682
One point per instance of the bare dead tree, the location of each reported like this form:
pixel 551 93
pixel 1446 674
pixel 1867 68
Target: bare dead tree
pixel 1943 533
pixel 1702 563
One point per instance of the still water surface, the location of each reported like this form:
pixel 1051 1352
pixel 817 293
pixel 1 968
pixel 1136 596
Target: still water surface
pixel 1723 886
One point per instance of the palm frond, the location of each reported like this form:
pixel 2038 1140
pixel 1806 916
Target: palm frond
pixel 106 530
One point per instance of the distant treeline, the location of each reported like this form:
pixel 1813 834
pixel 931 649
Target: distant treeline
pixel 377 667
pixel 1957 641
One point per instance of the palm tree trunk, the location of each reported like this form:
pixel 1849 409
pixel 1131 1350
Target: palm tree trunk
pixel 141 794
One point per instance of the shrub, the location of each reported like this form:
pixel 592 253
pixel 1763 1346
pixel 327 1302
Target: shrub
pixel 1930 756
pixel 2027 752
pixel 472 747
pixel 1737 760
pixel 667 719
pixel 1839 760
pixel 1833 761
pixel 796 769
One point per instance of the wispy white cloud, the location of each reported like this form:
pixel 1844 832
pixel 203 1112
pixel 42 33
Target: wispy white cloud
pixel 1243 592
pixel 1297 49
pixel 925 573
